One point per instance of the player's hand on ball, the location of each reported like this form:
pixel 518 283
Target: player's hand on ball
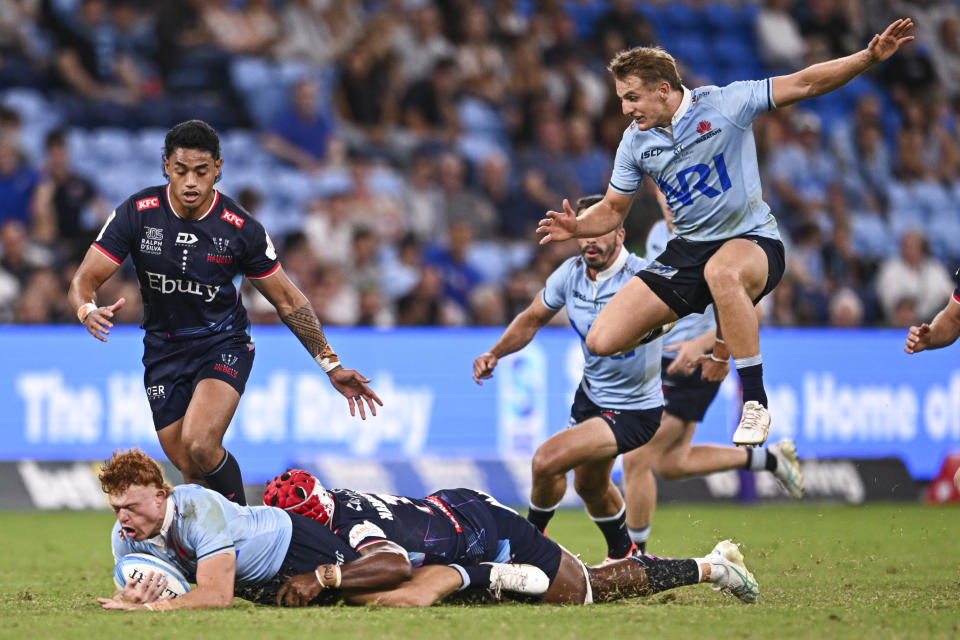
pixel 354 388
pixel 299 590
pixel 483 367
pixel 558 226
pixel 918 338
pixel 98 322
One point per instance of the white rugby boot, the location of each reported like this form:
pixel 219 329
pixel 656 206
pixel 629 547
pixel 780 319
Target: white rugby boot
pixel 788 467
pixel 517 578
pixel 729 574
pixel 754 425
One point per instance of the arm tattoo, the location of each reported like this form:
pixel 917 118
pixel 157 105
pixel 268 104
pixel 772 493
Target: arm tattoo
pixel 304 324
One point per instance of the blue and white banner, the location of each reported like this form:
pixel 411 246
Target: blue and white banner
pixel 65 396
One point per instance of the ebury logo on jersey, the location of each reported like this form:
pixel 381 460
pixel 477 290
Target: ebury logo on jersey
pixel 148 203
pixel 232 218
pixel 160 282
pixel 186 239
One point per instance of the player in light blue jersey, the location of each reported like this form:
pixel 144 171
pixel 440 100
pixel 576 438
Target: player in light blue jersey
pixel 698 147
pixel 691 379
pixel 618 403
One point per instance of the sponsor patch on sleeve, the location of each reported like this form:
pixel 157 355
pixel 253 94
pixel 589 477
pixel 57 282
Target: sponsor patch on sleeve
pixel 364 530
pixel 232 218
pixel 148 203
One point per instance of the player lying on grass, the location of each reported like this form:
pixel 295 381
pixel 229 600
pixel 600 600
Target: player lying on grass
pixel 268 555
pixel 461 538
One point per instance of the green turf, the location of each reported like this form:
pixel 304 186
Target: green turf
pixel 880 571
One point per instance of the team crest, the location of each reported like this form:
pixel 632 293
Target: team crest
pixel 221 244
pixel 228 359
pixel 703 127
pixel 661 269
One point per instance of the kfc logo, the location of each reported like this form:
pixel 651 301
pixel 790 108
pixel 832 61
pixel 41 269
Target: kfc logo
pixel 148 203
pixel 232 218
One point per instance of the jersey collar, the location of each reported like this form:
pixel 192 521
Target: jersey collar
pixel 160 540
pixel 613 269
pixel 681 111
pixel 216 198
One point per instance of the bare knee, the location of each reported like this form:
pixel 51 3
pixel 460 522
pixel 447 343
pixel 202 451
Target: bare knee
pixel 670 468
pixel 204 451
pixel 591 489
pixel 720 275
pixel 545 463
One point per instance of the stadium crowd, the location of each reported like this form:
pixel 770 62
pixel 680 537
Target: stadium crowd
pixel 400 152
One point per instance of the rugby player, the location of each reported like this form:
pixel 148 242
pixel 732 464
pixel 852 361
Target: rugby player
pixel 691 379
pixel 943 331
pixel 474 537
pixel 228 549
pixel 618 403
pixel 698 146
pixel 192 246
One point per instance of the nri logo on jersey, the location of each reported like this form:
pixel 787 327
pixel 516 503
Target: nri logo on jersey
pixel 681 195
pixel 160 282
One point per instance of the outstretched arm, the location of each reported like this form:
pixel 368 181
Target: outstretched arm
pixel 942 332
pixel 824 77
pixel 515 337
pixel 596 220
pixel 382 565
pixel 214 590
pixel 298 314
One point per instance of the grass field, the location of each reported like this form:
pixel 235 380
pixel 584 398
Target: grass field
pixel 825 571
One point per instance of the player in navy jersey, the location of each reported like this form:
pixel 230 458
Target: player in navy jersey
pixel 943 331
pixel 192 246
pixel 698 146
pixel 461 538
pixel 618 403
pixel 691 379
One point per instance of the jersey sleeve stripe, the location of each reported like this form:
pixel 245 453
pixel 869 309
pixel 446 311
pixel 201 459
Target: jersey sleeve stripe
pixel 621 189
pixel 268 273
pixel 106 253
pixel 543 298
pixel 225 549
pixel 956 298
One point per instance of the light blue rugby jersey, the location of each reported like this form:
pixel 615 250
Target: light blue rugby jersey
pixel 708 170
pixel 687 327
pixel 201 523
pixel 630 381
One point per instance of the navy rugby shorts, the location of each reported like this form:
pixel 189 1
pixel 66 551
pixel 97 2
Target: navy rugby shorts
pixel 676 276
pixel 632 428
pixel 495 533
pixel 686 397
pixel 172 370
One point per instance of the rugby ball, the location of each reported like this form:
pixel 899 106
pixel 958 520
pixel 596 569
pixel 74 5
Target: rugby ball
pixel 135 566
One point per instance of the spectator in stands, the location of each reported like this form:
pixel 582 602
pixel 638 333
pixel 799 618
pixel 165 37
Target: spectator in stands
pixel 487 306
pixel 328 228
pixel 802 173
pixel 477 55
pixel 424 304
pixel 61 199
pixel 830 21
pixel 364 271
pixel 591 164
pixel 429 108
pixel 461 203
pixel 18 256
pixel 251 30
pixel 945 49
pixel 631 28
pixel 915 275
pixel 302 131
pixel 401 268
pixel 778 35
pixel 104 82
pixel 315 34
pixel 17 183
pixel 846 309
pixel 420 49
pixel 546 174
pixel 517 216
pixel 423 200
pixel 459 278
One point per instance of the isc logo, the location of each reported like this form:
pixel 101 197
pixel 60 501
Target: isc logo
pixel 232 218
pixel 148 203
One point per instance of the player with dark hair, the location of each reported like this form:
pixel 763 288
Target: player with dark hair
pixel 618 403
pixel 191 247
pixel 943 331
pixel 698 146
pixel 272 556
pixel 461 538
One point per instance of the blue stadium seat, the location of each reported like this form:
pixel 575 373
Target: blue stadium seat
pixel 150 144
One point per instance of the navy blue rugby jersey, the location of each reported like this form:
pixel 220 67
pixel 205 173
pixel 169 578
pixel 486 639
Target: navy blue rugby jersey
pixel 428 529
pixel 190 271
